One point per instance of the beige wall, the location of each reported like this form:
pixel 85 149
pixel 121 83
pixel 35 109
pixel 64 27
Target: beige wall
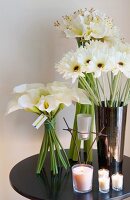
pixel 29 47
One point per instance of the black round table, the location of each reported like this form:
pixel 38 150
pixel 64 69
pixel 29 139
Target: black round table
pixel 48 187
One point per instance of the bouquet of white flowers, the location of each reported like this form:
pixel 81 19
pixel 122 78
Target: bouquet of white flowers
pixel 47 101
pixel 86 26
pixel 106 65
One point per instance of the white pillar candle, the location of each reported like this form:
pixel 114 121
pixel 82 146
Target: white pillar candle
pixel 104 184
pixel 117 182
pixel 82 177
pixel 103 173
pixel 84 125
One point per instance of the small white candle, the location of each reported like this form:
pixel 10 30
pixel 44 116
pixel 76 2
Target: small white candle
pixel 104 184
pixel 82 178
pixel 103 173
pixel 117 182
pixel 84 125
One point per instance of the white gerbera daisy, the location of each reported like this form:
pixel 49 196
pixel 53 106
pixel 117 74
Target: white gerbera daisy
pixel 121 63
pixel 84 56
pixel 99 57
pixel 71 66
pixel 99 63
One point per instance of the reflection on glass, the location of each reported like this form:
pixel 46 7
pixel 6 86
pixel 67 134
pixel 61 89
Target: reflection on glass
pixel 54 184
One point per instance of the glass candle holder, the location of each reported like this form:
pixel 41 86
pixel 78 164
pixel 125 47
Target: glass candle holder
pixel 84 125
pixel 104 184
pixel 103 173
pixel 117 182
pixel 82 175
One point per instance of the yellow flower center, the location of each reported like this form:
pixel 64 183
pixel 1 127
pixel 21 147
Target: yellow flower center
pixel 76 68
pixel 46 104
pixel 100 65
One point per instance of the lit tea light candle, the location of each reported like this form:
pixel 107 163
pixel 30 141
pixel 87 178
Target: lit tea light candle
pixel 117 182
pixel 103 173
pixel 104 184
pixel 82 177
pixel 84 125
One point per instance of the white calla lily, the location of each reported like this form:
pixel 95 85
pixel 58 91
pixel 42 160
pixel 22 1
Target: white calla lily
pixel 57 87
pixel 13 106
pixel 25 87
pixel 48 99
pixel 48 103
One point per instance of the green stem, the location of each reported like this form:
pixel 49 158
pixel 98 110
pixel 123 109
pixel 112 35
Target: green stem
pixel 88 89
pixel 72 144
pixel 105 99
pixel 115 85
pixel 53 135
pixel 127 93
pixel 98 92
pixel 100 86
pixel 57 153
pixel 90 79
pixel 53 158
pixel 43 153
pixel 88 143
pixel 123 92
pixel 109 83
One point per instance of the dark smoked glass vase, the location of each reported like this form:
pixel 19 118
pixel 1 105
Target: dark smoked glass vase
pixel 110 148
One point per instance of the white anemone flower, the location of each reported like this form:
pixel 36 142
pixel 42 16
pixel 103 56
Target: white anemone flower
pixel 48 103
pixel 121 63
pixel 71 66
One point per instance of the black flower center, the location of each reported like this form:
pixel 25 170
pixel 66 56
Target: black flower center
pixel 76 68
pixel 88 61
pixel 100 65
pixel 121 63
